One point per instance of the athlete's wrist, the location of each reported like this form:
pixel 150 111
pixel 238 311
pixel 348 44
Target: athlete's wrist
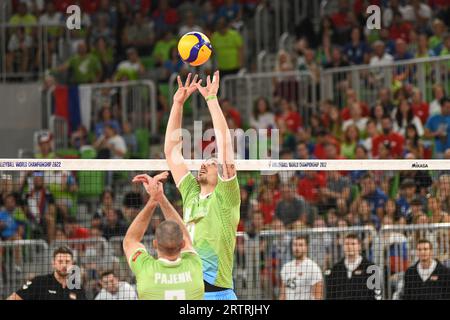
pixel 211 97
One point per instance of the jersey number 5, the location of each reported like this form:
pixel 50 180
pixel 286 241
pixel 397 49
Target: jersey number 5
pixel 175 295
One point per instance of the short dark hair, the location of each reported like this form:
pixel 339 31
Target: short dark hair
pixel 106 273
pixel 424 241
pixel 444 100
pixel 301 237
pixel 352 236
pixel 169 237
pixel 62 250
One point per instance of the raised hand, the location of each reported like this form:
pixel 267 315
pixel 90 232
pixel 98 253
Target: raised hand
pixel 184 91
pixel 153 186
pixel 212 87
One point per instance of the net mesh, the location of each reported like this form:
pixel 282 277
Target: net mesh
pixel 307 229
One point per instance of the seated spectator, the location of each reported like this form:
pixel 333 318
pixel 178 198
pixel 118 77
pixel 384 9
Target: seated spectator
pixel 438 94
pixel 266 204
pixel 228 48
pixel 366 217
pixel 106 203
pixel 19 51
pixel 435 211
pixel 84 67
pixel 403 203
pixel 132 68
pixel 132 204
pixel 446 50
pixel 162 52
pixel 322 140
pixel 356 118
pixel 438 128
pixel 106 117
pixel 105 54
pixel 388 12
pixel 73 230
pixel 422 50
pixel 335 191
pixel 113 289
pixel 112 225
pixel 101 29
pixel 351 97
pixel 310 184
pixel 372 194
pixel 419 107
pixel 10 227
pixel 404 116
pixel 262 117
pixel 139 34
pixel 376 115
pixel 45 141
pixel 380 56
pixel 395 140
pixel 350 141
pixel 110 145
pixel 399 28
pixel 164 17
pixel 189 24
pixel 356 50
pixel 230 111
pixel 108 9
pixel 289 121
pixel 40 209
pixel 385 99
pixel 413 144
pixel 291 209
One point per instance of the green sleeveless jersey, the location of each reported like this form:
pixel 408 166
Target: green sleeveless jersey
pixel 161 279
pixel 212 222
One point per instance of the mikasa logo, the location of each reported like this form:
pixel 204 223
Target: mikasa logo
pixel 419 165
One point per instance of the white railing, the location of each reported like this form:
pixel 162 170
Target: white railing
pixel 137 107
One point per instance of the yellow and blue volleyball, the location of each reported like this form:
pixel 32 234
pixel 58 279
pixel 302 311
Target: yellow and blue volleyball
pixel 194 48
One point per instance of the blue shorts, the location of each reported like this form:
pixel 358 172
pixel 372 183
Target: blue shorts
pixel 221 295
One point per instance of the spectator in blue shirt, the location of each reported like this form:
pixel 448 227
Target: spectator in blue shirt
pixel 356 50
pixel 438 128
pixel 407 194
pixel 230 10
pixel 373 194
pixel 106 118
pixel 10 228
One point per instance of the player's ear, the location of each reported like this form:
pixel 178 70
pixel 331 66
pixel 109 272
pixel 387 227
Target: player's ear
pixel 182 244
pixel 155 244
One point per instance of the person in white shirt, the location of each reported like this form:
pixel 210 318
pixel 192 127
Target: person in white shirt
pixel 438 93
pixel 111 144
pixel 356 118
pixel 113 289
pixel 380 57
pixel 263 117
pixel 302 277
pixel 403 116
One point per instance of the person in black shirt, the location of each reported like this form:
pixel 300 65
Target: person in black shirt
pixel 54 286
pixel 349 278
pixel 428 278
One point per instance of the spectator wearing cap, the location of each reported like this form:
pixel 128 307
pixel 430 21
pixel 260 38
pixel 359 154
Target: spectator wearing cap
pixel 395 140
pixel 438 128
pixel 130 69
pixel 113 289
pixel 45 147
pixel 428 278
pixel 40 208
pixel 407 194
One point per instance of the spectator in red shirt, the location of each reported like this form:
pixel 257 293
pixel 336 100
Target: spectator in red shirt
pixel 395 140
pixel 266 204
pixel 73 230
pixel 230 111
pixel 399 28
pixel 351 98
pixel 419 107
pixel 341 22
pixel 289 119
pixel 309 185
pixel 164 16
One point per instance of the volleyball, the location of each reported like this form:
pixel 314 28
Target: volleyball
pixel 194 48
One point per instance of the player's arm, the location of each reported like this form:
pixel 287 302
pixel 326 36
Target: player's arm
pixel 155 189
pixel 136 230
pixel 317 291
pixel 173 141
pixel 221 131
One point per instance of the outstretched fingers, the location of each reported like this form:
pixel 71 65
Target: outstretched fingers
pixel 188 80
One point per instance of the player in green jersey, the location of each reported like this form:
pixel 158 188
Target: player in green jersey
pixel 177 273
pixel 211 200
